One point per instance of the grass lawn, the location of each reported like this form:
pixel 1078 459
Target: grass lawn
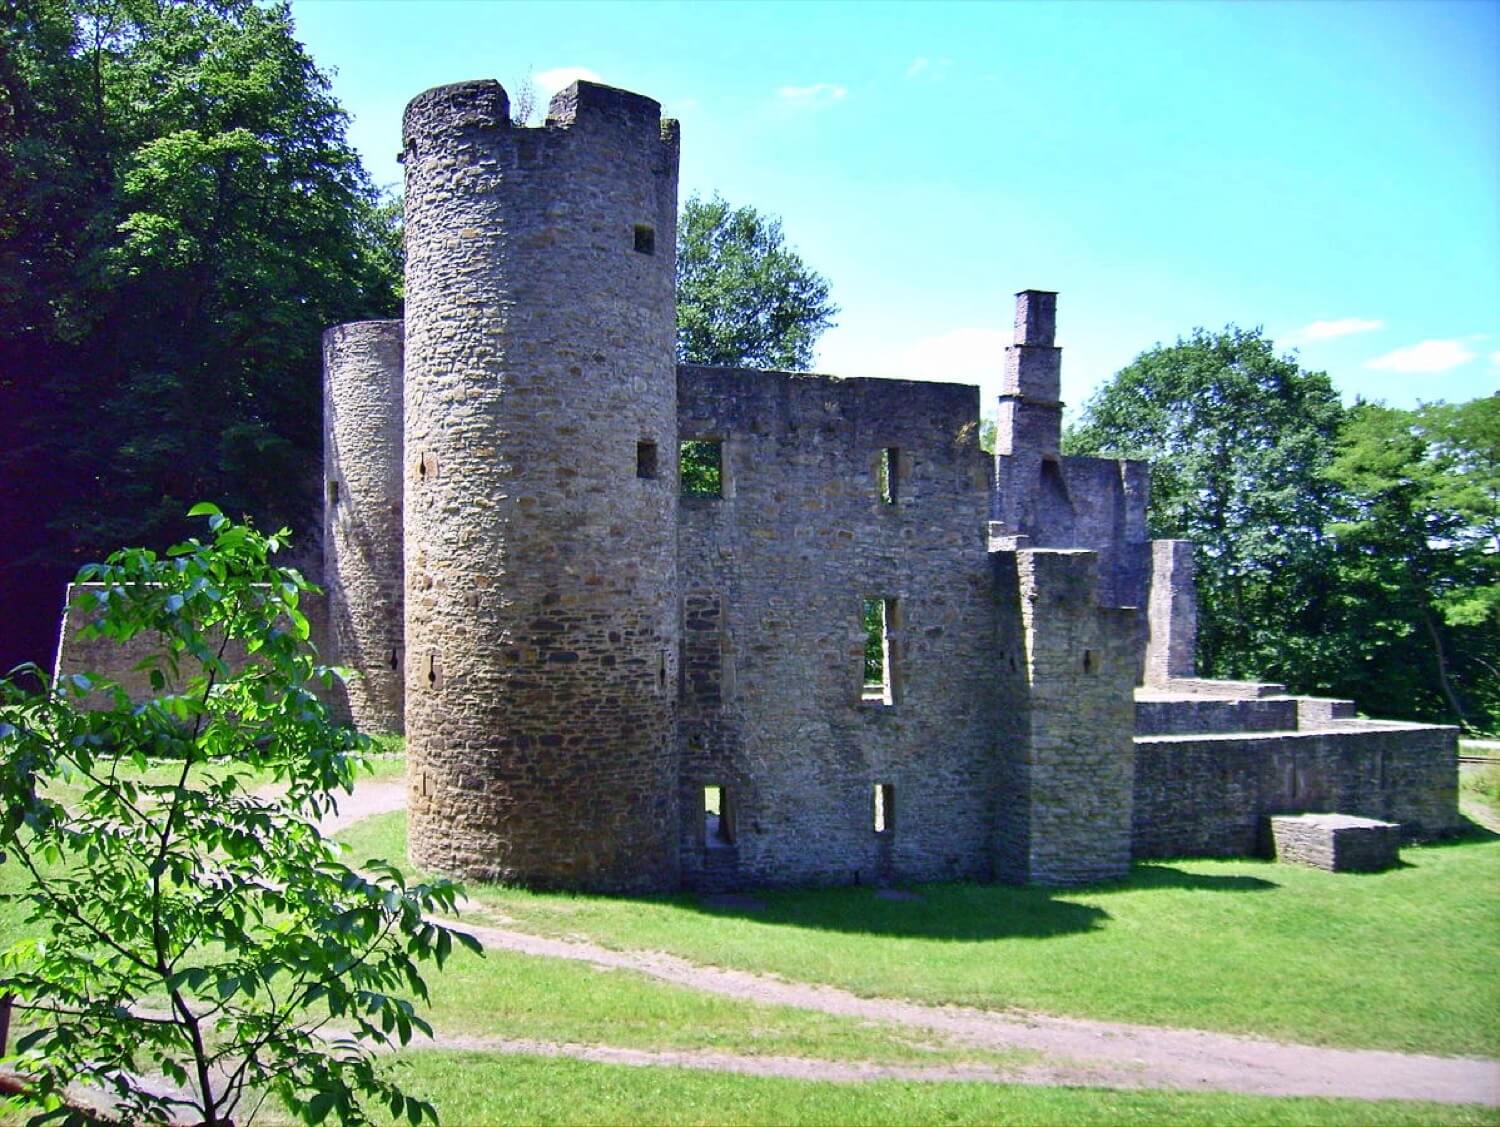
pixel 530 997
pixel 470 1088
pixel 1403 959
pixel 474 1088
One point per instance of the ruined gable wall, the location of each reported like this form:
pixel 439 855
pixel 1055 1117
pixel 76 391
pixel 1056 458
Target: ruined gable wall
pixel 774 575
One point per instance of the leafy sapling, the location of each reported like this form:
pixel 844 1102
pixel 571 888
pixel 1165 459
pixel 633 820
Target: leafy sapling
pixel 191 922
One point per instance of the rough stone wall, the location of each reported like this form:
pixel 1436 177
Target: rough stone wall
pixel 1172 613
pixel 1208 796
pixel 1165 714
pixel 1098 504
pixel 1065 809
pixel 541 595
pixel 774 575
pixel 123 663
pixel 362 525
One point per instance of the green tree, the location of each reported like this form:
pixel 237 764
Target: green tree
pixel 744 298
pixel 1239 439
pixel 201 926
pixel 181 217
pixel 1418 560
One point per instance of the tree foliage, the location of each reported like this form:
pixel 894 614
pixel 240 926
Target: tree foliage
pixel 1418 560
pixel 744 298
pixel 1239 440
pixel 180 218
pixel 1353 552
pixel 200 927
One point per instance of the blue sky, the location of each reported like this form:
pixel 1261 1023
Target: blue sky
pixel 1328 170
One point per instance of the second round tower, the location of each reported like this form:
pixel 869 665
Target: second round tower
pixel 540 484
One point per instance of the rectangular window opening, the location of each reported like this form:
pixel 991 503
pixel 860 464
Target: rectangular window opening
pixel 333 491
pixel 702 467
pixel 889 473
pixel 718 819
pixel 645 460
pixel 645 239
pixel 879 622
pixel 885 808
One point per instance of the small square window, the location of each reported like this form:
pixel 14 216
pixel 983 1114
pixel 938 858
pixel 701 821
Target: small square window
pixel 645 239
pixel 702 467
pixel 645 460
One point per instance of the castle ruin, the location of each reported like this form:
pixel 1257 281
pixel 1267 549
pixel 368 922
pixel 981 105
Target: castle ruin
pixel 608 683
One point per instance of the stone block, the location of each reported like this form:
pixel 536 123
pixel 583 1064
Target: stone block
pixel 1339 843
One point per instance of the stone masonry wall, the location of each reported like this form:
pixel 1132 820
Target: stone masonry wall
pixel 1064 815
pixel 123 662
pixel 362 527
pixel 1172 615
pixel 1209 795
pixel 541 593
pixel 774 576
pixel 1098 504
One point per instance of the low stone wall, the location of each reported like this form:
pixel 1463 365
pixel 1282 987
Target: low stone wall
pixel 1336 842
pixel 127 663
pixel 1209 795
pixel 1168 714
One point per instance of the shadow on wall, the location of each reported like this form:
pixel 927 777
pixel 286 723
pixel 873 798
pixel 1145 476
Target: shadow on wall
pixel 958 912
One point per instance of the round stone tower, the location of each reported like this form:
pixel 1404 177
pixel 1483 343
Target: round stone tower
pixel 541 486
pixel 362 515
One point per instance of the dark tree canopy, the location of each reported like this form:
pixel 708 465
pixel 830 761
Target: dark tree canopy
pixel 180 218
pixel 744 298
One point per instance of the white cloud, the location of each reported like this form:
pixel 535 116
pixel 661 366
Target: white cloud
pixel 1495 359
pixel 1429 356
pixel 818 94
pixel 549 82
pixel 1345 326
pixel 930 69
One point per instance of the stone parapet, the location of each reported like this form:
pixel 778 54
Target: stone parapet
pixel 1170 714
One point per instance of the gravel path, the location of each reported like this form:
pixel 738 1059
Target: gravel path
pixel 1074 1050
pixel 370 797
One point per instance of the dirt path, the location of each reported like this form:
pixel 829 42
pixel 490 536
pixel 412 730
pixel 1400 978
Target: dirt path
pixel 745 1064
pixel 370 797
pixel 1074 1050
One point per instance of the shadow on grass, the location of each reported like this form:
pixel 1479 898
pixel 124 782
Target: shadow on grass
pixel 959 912
pixel 1469 833
pixel 1157 875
